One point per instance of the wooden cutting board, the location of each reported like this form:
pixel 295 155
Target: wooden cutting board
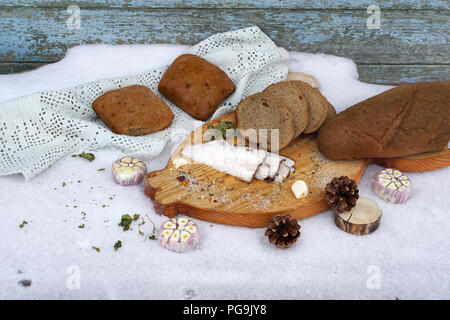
pixel 211 195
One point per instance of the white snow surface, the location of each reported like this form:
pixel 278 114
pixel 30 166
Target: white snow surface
pixel 408 257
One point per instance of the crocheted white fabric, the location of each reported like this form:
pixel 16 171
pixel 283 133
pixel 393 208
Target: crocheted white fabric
pixel 39 129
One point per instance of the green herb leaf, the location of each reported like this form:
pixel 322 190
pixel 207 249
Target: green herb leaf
pixel 23 224
pixel 152 237
pixel 101 169
pixel 223 126
pixel 117 245
pixel 81 226
pixel 88 156
pixel 135 217
pixel 126 222
pixel 96 249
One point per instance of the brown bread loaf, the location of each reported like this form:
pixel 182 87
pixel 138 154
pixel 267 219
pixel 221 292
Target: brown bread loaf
pixel 402 121
pixel 133 110
pixel 195 85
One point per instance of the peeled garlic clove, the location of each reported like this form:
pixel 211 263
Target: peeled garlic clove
pixel 179 162
pixel 128 171
pixel 300 189
pixel 392 186
pixel 179 235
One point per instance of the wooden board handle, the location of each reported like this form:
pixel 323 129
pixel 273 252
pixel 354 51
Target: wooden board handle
pixel 418 163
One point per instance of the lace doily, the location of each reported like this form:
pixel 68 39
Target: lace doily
pixel 39 129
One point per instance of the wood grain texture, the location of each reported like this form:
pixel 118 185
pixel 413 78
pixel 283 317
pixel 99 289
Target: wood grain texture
pixel 418 163
pixel 409 36
pixel 363 219
pixel 268 4
pixel 214 196
pixel 14 67
pixel 217 197
pixel 400 74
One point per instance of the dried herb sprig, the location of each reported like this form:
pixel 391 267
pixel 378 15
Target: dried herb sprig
pixel 224 127
pixel 88 156
pixel 125 222
pixel 117 245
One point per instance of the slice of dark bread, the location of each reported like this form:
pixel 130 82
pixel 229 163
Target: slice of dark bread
pixel 295 100
pixel 262 111
pixel 331 111
pixel 318 106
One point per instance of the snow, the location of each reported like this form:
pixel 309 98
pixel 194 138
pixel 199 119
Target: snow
pixel 408 257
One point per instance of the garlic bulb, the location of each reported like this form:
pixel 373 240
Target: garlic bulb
pixel 300 189
pixel 392 186
pixel 179 235
pixel 128 171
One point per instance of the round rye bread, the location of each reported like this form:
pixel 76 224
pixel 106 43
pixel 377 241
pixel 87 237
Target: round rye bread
pixel 262 113
pixel 318 106
pixel 295 100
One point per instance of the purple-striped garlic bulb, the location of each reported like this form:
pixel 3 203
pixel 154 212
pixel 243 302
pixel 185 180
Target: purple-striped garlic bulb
pixel 392 185
pixel 128 171
pixel 179 234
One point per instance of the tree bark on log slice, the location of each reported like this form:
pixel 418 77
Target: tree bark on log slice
pixel 363 219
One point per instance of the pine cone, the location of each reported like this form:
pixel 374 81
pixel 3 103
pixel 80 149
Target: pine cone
pixel 341 194
pixel 283 231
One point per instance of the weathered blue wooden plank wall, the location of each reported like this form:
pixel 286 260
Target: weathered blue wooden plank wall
pixel 410 45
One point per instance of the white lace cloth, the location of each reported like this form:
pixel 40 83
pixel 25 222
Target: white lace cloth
pixel 39 129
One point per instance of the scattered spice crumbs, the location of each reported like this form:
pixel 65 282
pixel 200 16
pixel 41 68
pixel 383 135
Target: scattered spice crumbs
pixel 23 224
pixel 25 282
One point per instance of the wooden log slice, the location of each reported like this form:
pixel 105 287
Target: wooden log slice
pixel 363 219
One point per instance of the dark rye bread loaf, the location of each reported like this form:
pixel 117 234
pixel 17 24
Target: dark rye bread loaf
pixel 261 111
pixel 133 111
pixel 195 85
pixel 295 100
pixel 402 121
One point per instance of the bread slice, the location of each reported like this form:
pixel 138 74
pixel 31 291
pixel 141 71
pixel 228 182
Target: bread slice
pixel 262 111
pixel 295 100
pixel 318 106
pixel 331 111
